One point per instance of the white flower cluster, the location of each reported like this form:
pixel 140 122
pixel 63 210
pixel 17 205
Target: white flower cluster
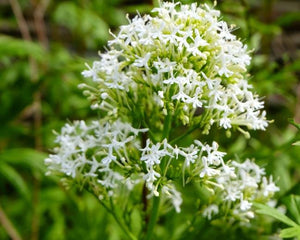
pixel 183 57
pixel 244 184
pixel 239 184
pixel 160 71
pixel 108 155
pixel 92 152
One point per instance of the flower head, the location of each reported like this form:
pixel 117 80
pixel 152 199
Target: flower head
pixel 186 53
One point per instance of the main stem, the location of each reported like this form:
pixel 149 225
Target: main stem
pixel 156 199
pixel 153 218
pixel 167 124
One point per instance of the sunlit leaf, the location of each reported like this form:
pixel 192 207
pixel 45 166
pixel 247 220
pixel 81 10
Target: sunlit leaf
pixel 290 232
pixel 293 205
pixel 296 143
pixel 267 210
pixel 26 157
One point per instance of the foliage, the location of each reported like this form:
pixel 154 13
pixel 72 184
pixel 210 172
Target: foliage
pixel 38 93
pixel 294 228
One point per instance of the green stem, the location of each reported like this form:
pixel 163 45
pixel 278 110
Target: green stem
pixel 119 221
pixel 117 218
pixel 167 124
pixel 153 218
pixel 188 132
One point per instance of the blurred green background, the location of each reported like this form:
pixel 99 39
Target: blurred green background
pixel 44 45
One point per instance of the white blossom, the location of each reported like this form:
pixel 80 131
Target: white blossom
pixel 107 142
pixel 268 187
pixel 211 210
pixel 171 193
pixel 245 204
pixel 191 56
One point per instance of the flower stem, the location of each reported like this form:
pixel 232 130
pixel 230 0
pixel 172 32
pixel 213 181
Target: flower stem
pixel 153 218
pixel 167 125
pixel 188 132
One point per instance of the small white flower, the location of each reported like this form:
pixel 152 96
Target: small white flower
pixel 225 122
pixel 152 154
pixel 232 191
pixel 190 154
pixel 142 61
pixel 210 211
pixel 244 204
pixel 175 196
pixel 269 187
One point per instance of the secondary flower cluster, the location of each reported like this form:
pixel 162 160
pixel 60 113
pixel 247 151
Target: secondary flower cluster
pixel 179 67
pixel 108 156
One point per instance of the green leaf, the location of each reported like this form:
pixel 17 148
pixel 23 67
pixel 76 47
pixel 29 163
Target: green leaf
pixel 15 179
pixel 290 232
pixel 267 210
pixel 13 47
pixel 24 157
pixel 82 22
pixel 293 205
pixel 141 8
pixel 288 18
pixel 296 143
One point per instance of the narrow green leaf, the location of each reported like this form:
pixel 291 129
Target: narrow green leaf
pixel 25 157
pixel 288 18
pixel 293 205
pixel 290 232
pixel 267 210
pixel 141 8
pixel 15 179
pixel 296 143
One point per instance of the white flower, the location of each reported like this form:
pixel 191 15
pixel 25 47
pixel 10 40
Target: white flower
pixel 150 177
pixel 232 191
pixel 152 154
pixel 214 157
pixel 111 178
pixel 243 183
pixel 142 61
pixel 225 122
pixel 245 204
pixel 171 193
pixel 269 187
pixel 210 211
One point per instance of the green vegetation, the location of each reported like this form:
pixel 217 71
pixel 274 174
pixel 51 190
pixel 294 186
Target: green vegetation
pixel 43 48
